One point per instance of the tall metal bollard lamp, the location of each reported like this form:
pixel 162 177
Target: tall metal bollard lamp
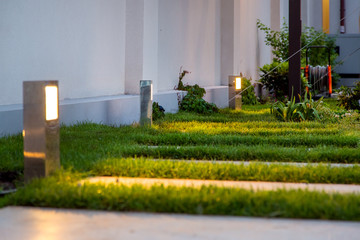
pixel 41 128
pixel 146 97
pixel 235 101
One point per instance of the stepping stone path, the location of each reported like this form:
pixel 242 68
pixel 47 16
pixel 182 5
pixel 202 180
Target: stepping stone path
pixel 249 185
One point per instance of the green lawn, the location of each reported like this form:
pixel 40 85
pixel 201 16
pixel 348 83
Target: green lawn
pixel 251 134
pixel 63 191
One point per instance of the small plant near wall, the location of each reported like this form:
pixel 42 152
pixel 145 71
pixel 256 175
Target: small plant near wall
pixel 305 110
pixel 193 101
pixel 275 78
pixel 248 96
pixel 275 81
pixel 349 98
pixel 158 111
pixel 182 74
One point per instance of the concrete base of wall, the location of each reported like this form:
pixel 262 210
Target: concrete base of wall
pixel 109 110
pixel 219 95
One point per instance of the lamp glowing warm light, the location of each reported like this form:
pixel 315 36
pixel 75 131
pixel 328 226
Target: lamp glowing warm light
pixel 237 83
pixel 51 103
pixel 41 128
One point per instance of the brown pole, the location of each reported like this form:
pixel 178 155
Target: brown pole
pixel 294 48
pixel 342 16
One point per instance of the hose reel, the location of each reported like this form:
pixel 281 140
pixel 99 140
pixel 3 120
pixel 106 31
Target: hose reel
pixel 319 77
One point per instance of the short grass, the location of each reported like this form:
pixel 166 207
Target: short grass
pixel 221 136
pixel 251 134
pixel 85 144
pixel 146 168
pixel 64 192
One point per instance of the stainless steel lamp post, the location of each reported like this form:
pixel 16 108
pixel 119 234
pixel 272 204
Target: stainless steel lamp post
pixel 235 101
pixel 146 97
pixel 41 128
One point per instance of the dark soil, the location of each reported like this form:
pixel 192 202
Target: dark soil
pixel 9 179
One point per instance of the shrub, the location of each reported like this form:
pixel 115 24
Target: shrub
pixel 193 101
pixel 279 41
pixel 305 110
pixel 158 111
pixel 350 98
pixel 274 76
pixel 285 112
pixel 248 96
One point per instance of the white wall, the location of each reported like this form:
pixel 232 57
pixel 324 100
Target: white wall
pixel 314 13
pixel 334 20
pixel 81 43
pixel 284 11
pixel 352 16
pixel 189 36
pixel 311 14
pixel 250 51
pixel 352 22
pixel 227 40
pixel 151 41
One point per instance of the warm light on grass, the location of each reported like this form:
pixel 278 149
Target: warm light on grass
pixel 51 103
pixel 63 191
pixel 208 170
pixel 247 128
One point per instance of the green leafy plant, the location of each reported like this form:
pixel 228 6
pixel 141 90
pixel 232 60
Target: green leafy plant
pixel 279 41
pixel 193 101
pixel 182 74
pixel 195 90
pixel 158 111
pixel 286 112
pixel 248 96
pixel 350 98
pixel 274 75
pixel 305 110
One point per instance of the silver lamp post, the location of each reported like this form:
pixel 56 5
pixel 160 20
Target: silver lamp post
pixel 146 97
pixel 235 101
pixel 41 128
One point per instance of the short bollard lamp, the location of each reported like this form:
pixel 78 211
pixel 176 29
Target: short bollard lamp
pixel 41 128
pixel 237 83
pixel 146 97
pixel 235 101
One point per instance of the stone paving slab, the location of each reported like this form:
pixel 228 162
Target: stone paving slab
pixel 299 164
pixel 19 223
pixel 250 185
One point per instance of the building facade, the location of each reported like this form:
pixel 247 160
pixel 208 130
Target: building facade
pixel 99 50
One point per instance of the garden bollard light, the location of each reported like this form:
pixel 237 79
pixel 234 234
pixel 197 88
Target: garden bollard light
pixel 235 101
pixel 146 97
pixel 41 128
